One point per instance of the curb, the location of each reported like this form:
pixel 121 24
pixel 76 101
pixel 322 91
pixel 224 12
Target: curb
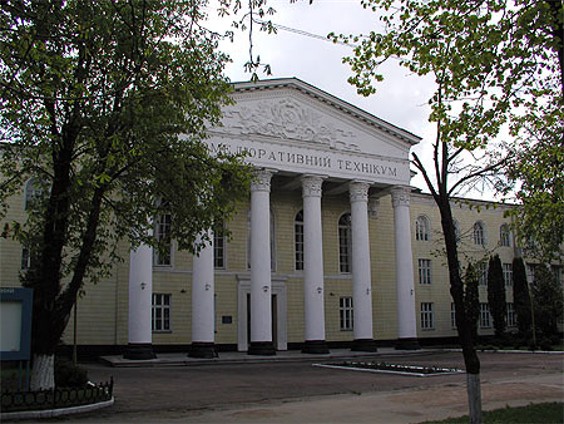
pixel 53 413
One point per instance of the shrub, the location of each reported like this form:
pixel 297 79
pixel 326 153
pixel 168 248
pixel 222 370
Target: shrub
pixel 69 375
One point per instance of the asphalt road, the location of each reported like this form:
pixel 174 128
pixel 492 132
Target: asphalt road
pixel 284 392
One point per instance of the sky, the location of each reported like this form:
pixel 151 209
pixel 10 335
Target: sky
pixel 401 98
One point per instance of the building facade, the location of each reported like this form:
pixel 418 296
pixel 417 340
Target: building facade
pixel 332 248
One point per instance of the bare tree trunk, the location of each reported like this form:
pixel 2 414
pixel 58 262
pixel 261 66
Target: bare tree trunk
pixel 43 372
pixel 474 398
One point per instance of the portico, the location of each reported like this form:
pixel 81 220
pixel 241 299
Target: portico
pixel 316 148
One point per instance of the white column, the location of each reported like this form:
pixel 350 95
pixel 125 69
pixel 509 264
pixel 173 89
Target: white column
pixel 362 281
pixel 407 324
pixel 140 303
pixel 314 309
pixel 203 314
pixel 261 287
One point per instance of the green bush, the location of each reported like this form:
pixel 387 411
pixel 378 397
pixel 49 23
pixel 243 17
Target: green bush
pixel 69 375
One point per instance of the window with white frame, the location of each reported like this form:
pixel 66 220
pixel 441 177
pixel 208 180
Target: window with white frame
pixel 504 236
pixel 25 262
pixel 163 254
pixel 507 274
pixel 479 234
pixel 161 312
pixel 346 313
pixel 482 268
pixel 422 229
pixel 511 317
pixel 32 191
pixel 345 243
pixel 299 241
pixel 452 315
pixel 219 246
pixel 427 316
pixel 424 267
pixel 485 317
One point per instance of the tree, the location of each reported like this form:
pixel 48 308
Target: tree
pixel 496 295
pixel 472 299
pixel 514 81
pixel 104 105
pixel 522 298
pixel 548 301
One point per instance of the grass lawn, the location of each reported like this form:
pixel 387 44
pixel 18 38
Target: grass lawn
pixel 542 413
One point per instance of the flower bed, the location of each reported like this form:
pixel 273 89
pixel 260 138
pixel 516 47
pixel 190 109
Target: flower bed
pixel 384 367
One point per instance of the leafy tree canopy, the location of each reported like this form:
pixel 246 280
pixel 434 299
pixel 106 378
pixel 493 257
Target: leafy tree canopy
pixel 105 105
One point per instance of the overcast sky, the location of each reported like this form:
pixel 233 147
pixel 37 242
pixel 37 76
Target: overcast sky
pixel 402 97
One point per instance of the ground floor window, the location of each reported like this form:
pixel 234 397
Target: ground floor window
pixel 427 316
pixel 161 312
pixel 511 318
pixel 485 317
pixel 346 313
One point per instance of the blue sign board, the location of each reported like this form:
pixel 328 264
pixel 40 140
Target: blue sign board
pixel 16 305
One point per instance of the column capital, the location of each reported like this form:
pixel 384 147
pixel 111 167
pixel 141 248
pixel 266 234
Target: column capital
pixel 311 185
pixel 261 180
pixel 400 196
pixel 358 191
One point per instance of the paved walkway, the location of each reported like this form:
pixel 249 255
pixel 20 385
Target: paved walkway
pixel 237 388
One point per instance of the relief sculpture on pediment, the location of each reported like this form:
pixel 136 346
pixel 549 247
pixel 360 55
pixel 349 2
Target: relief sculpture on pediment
pixel 288 119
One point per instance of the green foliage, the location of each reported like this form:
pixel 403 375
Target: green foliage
pixel 499 69
pixel 548 302
pixel 496 295
pixel 521 297
pixel 472 299
pixel 69 375
pixel 105 104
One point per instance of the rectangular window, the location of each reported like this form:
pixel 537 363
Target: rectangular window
pixel 219 247
pixel 26 259
pixel 299 245
pixel 427 316
pixel 511 319
pixel 161 312
pixel 485 317
pixel 424 266
pixel 346 315
pixel 483 273
pixel 162 232
pixel 452 315
pixel 508 274
pixel 344 250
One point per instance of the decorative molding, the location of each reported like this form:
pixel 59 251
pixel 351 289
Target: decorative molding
pixel 400 196
pixel 261 182
pixel 288 119
pixel 358 191
pixel 311 185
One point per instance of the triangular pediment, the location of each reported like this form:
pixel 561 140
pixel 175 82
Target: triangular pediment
pixel 274 118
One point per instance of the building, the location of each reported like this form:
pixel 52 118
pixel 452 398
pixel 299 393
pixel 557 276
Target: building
pixel 333 247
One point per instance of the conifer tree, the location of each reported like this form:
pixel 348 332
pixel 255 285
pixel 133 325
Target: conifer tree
pixel 472 299
pixel 496 295
pixel 521 297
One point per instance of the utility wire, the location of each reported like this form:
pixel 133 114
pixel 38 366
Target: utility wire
pixel 305 33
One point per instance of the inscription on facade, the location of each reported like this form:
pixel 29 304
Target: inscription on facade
pixel 276 157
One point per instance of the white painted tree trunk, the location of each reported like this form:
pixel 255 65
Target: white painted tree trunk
pixel 43 372
pixel 474 398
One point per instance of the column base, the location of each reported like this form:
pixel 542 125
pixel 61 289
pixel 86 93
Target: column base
pixel 316 347
pixel 364 345
pixel 205 350
pixel 261 348
pixel 139 351
pixel 408 343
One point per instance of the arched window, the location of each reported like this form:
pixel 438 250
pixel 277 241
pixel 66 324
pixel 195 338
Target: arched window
pixel 32 191
pixel 479 234
pixel 299 241
pixel 345 243
pixel 163 226
pixel 504 236
pixel 422 229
